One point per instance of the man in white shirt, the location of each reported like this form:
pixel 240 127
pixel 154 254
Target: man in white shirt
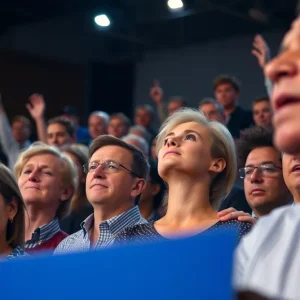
pixel 268 259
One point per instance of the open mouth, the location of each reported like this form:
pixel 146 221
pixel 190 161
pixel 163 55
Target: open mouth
pixel 296 168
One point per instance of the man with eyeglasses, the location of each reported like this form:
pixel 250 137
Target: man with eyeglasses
pixel 116 176
pixel 261 168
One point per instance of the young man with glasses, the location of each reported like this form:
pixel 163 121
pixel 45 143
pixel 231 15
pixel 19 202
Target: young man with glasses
pixel 261 168
pixel 116 176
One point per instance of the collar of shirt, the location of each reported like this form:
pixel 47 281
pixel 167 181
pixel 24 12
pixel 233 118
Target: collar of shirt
pixel 43 233
pixel 18 251
pixel 115 224
pixel 256 217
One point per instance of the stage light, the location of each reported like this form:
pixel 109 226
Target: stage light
pixel 102 20
pixel 175 4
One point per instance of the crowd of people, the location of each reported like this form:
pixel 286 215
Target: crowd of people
pixel 117 181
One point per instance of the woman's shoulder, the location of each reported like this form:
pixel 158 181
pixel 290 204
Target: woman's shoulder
pixel 139 232
pixel 243 227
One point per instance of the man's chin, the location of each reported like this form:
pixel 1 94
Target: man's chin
pixel 287 138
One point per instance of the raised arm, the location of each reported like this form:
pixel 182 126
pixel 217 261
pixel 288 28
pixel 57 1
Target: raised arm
pixel 262 52
pixel 156 94
pixel 7 140
pixel 36 108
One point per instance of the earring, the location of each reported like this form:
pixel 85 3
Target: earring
pixel 11 220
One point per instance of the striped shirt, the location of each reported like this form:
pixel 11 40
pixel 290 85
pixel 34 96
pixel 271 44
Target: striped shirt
pixel 267 261
pixel 43 234
pixel 80 241
pixel 16 252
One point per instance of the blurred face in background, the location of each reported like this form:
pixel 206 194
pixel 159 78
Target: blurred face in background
pixel 143 117
pixel 96 126
pixel 212 113
pixel 262 113
pixel 20 131
pixel 174 105
pixel 226 95
pixel 117 127
pixel 57 135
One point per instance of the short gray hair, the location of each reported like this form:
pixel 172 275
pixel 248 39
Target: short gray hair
pixel 101 114
pixel 141 129
pixel 143 144
pixel 222 146
pixel 218 106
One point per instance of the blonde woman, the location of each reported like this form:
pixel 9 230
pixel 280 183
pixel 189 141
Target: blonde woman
pixel 11 216
pixel 197 160
pixel 47 180
pixel 79 208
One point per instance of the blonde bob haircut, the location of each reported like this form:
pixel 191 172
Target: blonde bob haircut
pixel 222 146
pixel 69 176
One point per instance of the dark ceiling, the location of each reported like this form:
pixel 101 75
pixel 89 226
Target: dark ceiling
pixel 147 24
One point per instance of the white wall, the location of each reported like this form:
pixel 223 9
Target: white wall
pixel 189 71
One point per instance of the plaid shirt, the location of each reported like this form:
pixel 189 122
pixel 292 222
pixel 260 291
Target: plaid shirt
pixel 80 241
pixel 43 234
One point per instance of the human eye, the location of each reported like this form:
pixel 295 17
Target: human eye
pixel 248 171
pixel 92 166
pixel 26 171
pixel 111 165
pixel 190 137
pixel 165 141
pixel 269 168
pixel 48 172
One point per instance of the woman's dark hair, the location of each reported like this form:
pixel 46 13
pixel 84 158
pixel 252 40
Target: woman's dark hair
pixel 15 232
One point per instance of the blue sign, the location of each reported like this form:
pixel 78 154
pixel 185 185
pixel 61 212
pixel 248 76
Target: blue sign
pixel 195 268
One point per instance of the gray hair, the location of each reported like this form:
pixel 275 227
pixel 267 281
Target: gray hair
pixel 142 143
pixel 218 106
pixel 101 114
pixel 142 129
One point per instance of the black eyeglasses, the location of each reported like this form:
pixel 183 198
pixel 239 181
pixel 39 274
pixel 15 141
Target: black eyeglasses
pixel 266 170
pixel 108 166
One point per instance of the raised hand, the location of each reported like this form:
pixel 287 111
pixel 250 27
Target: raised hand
pixel 261 50
pixel 36 107
pixel 156 93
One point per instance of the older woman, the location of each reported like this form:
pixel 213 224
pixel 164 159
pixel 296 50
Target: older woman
pixel 11 216
pixel 47 180
pixel 197 160
pixel 80 208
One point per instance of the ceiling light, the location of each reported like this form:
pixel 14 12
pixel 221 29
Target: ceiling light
pixel 102 20
pixel 175 4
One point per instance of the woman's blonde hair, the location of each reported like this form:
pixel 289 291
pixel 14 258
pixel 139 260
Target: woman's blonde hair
pixel 81 152
pixel 68 170
pixel 9 190
pixel 222 146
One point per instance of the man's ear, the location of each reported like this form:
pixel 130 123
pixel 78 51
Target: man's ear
pixel 138 187
pixel 67 193
pixel 217 165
